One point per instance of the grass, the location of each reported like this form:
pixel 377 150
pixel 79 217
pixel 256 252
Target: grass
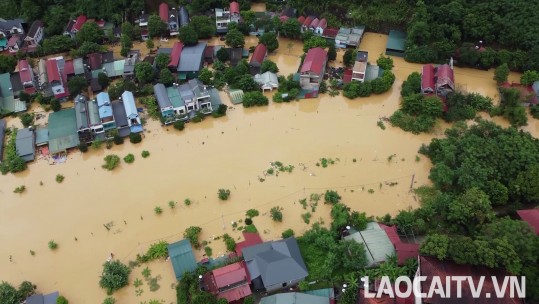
pixel 145 154
pixel 53 245
pixel 158 210
pixel 59 178
pixel 19 189
pixel 129 158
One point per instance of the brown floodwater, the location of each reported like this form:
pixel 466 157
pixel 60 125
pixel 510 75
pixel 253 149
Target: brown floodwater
pixel 230 152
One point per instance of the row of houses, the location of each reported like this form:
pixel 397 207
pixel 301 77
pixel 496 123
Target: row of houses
pixel 174 18
pixel 310 23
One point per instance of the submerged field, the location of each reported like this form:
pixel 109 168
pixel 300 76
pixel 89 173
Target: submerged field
pixel 230 152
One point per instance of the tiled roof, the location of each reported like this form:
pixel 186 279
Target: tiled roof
pixel 79 22
pixel 427 77
pixel 314 61
pixel 52 71
pixel 69 69
pixel 323 23
pixel 234 7
pixel 315 23
pixel 24 71
pixel 163 11
pixel 308 21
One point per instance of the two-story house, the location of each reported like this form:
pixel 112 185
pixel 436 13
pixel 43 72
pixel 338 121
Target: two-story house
pixel 360 66
pixel 313 68
pixel 35 34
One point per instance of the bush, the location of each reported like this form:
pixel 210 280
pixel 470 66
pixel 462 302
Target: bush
pixel 250 228
pixel 97 143
pixel 192 233
pixel 129 158
pixel 534 111
pixel 145 154
pixel 331 197
pixel 55 105
pixel 287 233
pixel 83 147
pixel 223 194
pixel 109 300
pixel 248 221
pixel 221 111
pixel 158 210
pixel 27 119
pixel 251 99
pixel 118 140
pixel 53 245
pixel 20 189
pixel 187 202
pixel 229 242
pixel 61 300
pixel 156 251
pixel 111 161
pixel 252 213
pixel 385 62
pixel 135 138
pixel 179 125
pixel 208 251
pixel 115 275
pixel 59 178
pixel 276 214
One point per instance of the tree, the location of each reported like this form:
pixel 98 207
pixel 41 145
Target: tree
pixel 385 62
pixel 205 26
pixel 77 85
pixel 331 197
pixel 353 255
pixel 247 83
pixel 511 108
pixel 349 57
pixel 9 294
pixel 252 99
pixel 529 77
pixel 103 80
pixel 291 28
pixel 222 55
pixel 7 64
pixel 27 119
pixel 268 65
pixel 332 52
pixel 166 77
pixel 192 233
pixel 234 39
pixel 26 289
pixel 313 42
pixel 269 39
pixel 149 44
pixel 115 275
pixel 89 32
pixel 287 233
pixel 144 72
pixel 501 73
pixel 156 26
pixel 412 85
pixel 276 214
pixel 205 76
pixel 435 245
pixel 55 105
pixel 128 30
pixel 88 47
pixel 223 194
pixel 61 300
pixel 126 44
pixel 56 44
pixel 162 60
pixel 340 216
pixel 135 138
pixel 111 162
pixel 471 210
pixel 188 35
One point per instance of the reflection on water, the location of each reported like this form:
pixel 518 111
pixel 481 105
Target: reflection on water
pixel 231 152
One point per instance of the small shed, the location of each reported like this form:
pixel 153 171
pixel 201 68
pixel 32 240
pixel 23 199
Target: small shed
pixel 25 144
pixel 395 43
pixel 236 96
pixel 182 257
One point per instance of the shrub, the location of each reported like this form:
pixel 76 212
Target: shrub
pixel 221 111
pixel 172 204
pixel 55 105
pixel 306 217
pixel 135 138
pixel 115 275
pixel 20 189
pixel 534 111
pixel 111 161
pixel 96 144
pixel 251 99
pixel 331 197
pixel 248 221
pixel 109 300
pixel 59 178
pixel 385 62
pixel 276 214
pixel 83 147
pixel 250 228
pixel 158 210
pixel 27 119
pixel 252 213
pixel 223 194
pixel 187 202
pixel 117 139
pixel 179 125
pixel 229 242
pixel 156 251
pixel 61 300
pixel 287 233
pixel 129 158
pixel 208 251
pixel 53 245
pixel 192 233
pixel 145 154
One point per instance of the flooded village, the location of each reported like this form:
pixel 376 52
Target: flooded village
pixel 95 214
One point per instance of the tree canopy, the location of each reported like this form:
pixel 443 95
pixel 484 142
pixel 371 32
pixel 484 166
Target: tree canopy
pixel 144 72
pixel 156 26
pixel 234 39
pixel 90 32
pixel 188 35
pixel 270 41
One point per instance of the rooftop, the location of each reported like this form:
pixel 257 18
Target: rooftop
pixel 104 105
pixel 161 95
pixel 294 298
pixel 182 257
pixel 259 54
pixel 531 216
pixel 175 98
pixel 175 55
pixel 25 144
pixel 396 40
pixel 377 244
pixel 191 58
pixel 62 127
pixel 314 61
pixel 250 239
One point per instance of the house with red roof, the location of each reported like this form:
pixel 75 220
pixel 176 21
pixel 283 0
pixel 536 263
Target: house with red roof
pixel 427 79
pixel 250 239
pixel 403 250
pixel 313 69
pixel 14 43
pixel 257 58
pixel 319 30
pixel 445 80
pixel 95 61
pixel 26 75
pixel 301 19
pixel 57 81
pixel 307 23
pixel 175 56
pixel 330 33
pixel 235 12
pixel 314 24
pixel 163 12
pixel 73 26
pixel 531 216
pixel 230 282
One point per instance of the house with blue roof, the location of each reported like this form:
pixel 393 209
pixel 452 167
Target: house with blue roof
pixel 133 119
pixel 182 258
pixel 165 106
pixel 105 111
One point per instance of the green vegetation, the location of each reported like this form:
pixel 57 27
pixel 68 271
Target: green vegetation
pixel 385 62
pixel 288 89
pixel 252 99
pixel 11 295
pixel 313 42
pixel 172 204
pixel 511 107
pixel 250 228
pixel 129 158
pixel 156 251
pixel 501 73
pixel 187 202
pixel 268 65
pixel 59 178
pixel 462 106
pixel 158 210
pixel 529 77
pixel 306 217
pixel 151 105
pixel 20 189
pixel 188 35
pixel 276 214
pixel 52 245
pixel 12 162
pixel 96 144
pixel 135 138
pixel 223 194
pixel 287 233
pixel 179 125
pixel 77 85
pixel 269 39
pixel 111 161
pixel 208 251
pixel 252 213
pixel 27 119
pixel 62 300
pixel 379 85
pixel 234 39
pixel 145 154
pixel 331 197
pixel 83 147
pixel 229 242
pixel 324 162
pixel 109 300
pixel 192 233
pixel 188 291
pixel 115 275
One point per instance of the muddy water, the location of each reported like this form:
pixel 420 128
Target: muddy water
pixel 230 152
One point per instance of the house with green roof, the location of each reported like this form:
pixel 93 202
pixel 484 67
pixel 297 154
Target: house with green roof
pixel 378 245
pixel 62 131
pixel 8 102
pixel 396 43
pixel 182 257
pixel 178 104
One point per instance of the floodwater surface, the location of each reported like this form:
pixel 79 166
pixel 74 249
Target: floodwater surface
pixel 373 171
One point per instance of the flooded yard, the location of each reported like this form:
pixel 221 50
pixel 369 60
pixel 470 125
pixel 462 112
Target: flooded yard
pixel 373 171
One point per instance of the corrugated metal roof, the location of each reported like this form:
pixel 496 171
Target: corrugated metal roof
pixel 81 112
pixel 161 95
pixel 25 72
pixel 175 55
pixel 25 145
pixel 42 136
pixel 129 105
pixel 163 11
pixel 294 298
pixel 182 257
pixel 259 54
pixel 93 113
pixel 191 58
pixel 62 130
pixel 175 98
pixel 396 40
pixel 376 242
pixel 104 105
pixel 52 71
pixel 314 61
pixel 79 22
pixel 78 66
